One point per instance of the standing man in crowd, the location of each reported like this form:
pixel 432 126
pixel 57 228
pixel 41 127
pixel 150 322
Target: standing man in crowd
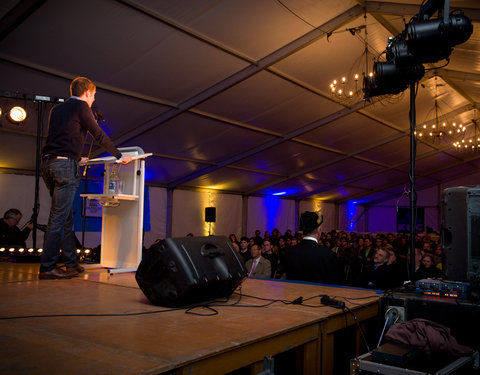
pixel 10 233
pixel 69 123
pixel 309 261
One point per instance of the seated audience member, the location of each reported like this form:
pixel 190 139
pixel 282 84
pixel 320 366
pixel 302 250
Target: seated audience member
pixel 258 266
pixel 244 249
pixel 397 269
pixel 438 256
pixel 427 247
pixel 258 238
pixel 427 269
pixel 10 234
pixel 367 253
pixel 377 276
pixel 402 247
pixel 309 261
pixel 233 239
pixel 268 252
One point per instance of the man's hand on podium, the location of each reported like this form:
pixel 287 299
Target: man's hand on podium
pixel 125 159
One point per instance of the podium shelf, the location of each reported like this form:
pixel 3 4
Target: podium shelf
pixel 125 197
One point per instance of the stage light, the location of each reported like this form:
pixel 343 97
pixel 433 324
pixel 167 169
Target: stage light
pixel 17 115
pixel 30 250
pixel 40 250
pixel 2 249
pixel 429 41
pixel 389 78
pixel 422 41
pixel 12 249
pixel 79 251
pixel 21 250
pixel 87 251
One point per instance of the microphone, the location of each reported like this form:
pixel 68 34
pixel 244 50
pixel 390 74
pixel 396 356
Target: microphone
pixel 99 116
pixel 326 300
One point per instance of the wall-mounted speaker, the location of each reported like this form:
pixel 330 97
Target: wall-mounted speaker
pixel 210 214
pixel 187 270
pixel 461 233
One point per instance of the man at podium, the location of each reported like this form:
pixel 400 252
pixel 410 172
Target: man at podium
pixel 69 123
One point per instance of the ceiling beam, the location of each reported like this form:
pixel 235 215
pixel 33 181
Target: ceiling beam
pixel 394 9
pixel 17 15
pixel 401 9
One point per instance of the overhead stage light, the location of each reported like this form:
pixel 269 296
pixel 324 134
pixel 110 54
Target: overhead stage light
pixel 422 41
pixel 429 41
pixel 389 78
pixel 17 115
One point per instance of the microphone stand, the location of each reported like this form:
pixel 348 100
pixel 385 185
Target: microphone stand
pixel 85 176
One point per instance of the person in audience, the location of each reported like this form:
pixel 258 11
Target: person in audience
pixel 367 253
pixel 438 256
pixel 268 252
pixel 309 261
pixel 427 269
pixel 233 239
pixel 294 241
pixel 379 242
pixel 427 247
pixel 244 249
pixel 258 238
pixel 402 246
pixel 397 269
pixel 258 266
pixel 377 276
pixel 10 233
pixel 275 236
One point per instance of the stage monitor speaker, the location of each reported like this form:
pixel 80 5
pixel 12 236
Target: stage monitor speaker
pixel 460 233
pixel 210 214
pixel 187 270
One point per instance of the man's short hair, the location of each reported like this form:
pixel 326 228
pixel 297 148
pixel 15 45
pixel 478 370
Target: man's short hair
pixel 244 239
pixel 12 213
pixel 81 84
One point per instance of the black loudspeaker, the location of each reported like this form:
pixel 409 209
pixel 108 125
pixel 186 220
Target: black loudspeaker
pixel 210 214
pixel 461 233
pixel 183 271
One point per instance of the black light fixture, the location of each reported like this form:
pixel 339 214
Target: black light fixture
pixel 422 41
pixel 429 41
pixel 389 78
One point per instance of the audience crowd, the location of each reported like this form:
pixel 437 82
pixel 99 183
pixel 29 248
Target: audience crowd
pixel 377 261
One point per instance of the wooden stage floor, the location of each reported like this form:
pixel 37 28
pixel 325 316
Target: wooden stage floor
pixel 101 323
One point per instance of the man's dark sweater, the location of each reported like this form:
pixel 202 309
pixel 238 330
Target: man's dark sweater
pixel 69 124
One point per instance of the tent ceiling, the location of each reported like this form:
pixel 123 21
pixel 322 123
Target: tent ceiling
pixel 233 95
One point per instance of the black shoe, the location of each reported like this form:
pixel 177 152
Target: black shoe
pixel 56 273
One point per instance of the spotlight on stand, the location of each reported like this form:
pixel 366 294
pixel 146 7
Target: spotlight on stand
pixel 429 41
pixel 389 78
pixel 422 41
pixel 17 115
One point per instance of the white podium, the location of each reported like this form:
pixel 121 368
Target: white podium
pixel 122 214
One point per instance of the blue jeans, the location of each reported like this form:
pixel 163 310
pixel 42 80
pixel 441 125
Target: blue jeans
pixel 62 177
